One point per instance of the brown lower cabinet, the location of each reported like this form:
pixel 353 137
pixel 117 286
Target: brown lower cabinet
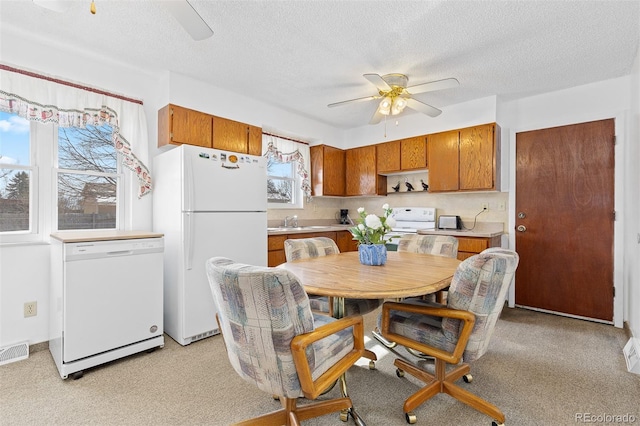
pixel 468 246
pixel 275 244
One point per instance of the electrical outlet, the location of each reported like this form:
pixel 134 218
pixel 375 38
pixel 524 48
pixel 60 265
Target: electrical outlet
pixel 30 309
pixel 485 206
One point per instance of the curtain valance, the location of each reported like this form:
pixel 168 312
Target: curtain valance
pixel 49 102
pixel 288 151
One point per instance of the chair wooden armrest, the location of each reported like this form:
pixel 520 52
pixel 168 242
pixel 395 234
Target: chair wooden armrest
pixel 443 312
pixel 312 389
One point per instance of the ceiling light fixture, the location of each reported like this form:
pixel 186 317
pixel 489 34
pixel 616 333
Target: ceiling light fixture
pixel 392 105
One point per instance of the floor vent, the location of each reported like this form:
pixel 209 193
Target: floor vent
pixel 632 355
pixel 14 353
pixel 204 335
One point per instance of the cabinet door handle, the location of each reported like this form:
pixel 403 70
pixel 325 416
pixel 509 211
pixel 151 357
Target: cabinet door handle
pixel 521 228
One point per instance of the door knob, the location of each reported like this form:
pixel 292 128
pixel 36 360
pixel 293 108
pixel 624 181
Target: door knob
pixel 521 228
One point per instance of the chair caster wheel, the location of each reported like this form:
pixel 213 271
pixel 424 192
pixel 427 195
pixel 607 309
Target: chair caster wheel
pixel 77 375
pixel 344 415
pixel 372 365
pixel 276 397
pixel 494 423
pixel 399 372
pixel 468 378
pixel 410 417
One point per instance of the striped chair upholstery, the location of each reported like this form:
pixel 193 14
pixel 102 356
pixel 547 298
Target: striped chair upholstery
pixel 441 245
pixel 304 248
pixel 461 329
pixel 261 311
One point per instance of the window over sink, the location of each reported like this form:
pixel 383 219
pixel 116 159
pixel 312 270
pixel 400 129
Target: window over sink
pixel 288 165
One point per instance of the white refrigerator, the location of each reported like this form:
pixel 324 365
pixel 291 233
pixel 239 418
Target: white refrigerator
pixel 207 203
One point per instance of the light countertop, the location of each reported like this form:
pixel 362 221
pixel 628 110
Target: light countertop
pixel 481 230
pixel 102 235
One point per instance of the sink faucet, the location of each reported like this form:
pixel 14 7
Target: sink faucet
pixel 291 221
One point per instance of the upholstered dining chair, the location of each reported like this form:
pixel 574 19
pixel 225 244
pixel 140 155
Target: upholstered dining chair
pixel 439 245
pixel 274 341
pixel 304 248
pixel 458 331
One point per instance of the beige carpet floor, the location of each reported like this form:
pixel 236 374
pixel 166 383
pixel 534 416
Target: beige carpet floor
pixel 541 369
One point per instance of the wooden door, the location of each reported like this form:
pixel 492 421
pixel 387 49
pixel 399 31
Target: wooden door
pixel 564 213
pixel 443 161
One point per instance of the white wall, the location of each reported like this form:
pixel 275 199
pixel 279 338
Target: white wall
pixel 632 210
pixel 602 100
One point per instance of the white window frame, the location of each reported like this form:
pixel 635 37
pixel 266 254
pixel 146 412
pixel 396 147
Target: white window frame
pixel 121 189
pixel 298 195
pixel 43 188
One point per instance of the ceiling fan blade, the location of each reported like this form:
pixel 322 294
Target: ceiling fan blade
pixel 55 5
pixel 376 117
pixel 423 108
pixel 447 83
pixel 189 18
pixel 367 98
pixel 377 81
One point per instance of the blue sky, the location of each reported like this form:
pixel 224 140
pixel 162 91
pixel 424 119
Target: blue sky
pixel 14 139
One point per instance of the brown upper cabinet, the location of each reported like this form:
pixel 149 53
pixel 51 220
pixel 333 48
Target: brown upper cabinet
pixel 178 125
pixel 230 135
pixel 327 170
pixel 413 153
pixel 361 172
pixel 388 157
pixel 402 155
pixel 465 159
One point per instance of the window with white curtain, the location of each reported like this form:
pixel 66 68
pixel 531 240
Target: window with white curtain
pixel 288 166
pixel 63 156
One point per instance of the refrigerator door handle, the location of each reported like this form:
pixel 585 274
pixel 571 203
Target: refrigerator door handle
pixel 188 233
pixel 188 183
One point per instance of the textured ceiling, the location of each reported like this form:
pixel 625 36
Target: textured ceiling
pixel 302 55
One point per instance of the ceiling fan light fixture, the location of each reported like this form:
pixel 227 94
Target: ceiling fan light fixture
pixel 399 103
pixel 385 106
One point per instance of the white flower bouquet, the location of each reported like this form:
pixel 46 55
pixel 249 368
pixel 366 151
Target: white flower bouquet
pixel 372 228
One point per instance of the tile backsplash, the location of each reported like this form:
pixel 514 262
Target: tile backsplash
pixel 466 205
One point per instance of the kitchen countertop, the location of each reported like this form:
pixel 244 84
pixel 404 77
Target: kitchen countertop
pixel 278 230
pixel 481 230
pixel 102 235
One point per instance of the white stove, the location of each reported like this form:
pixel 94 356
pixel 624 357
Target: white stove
pixel 409 220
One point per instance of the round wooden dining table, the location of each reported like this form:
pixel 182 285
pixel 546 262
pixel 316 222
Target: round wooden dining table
pixel 403 275
pixel 340 276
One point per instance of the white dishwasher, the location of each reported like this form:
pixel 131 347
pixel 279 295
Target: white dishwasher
pixel 106 297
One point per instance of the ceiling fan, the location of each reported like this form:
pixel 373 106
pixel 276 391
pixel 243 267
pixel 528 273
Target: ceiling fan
pixel 181 10
pixel 395 95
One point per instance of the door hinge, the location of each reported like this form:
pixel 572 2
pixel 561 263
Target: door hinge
pixel 614 292
pixel 615 140
pixel 614 216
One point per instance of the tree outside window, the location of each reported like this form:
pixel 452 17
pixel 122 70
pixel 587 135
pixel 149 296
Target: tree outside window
pixel 87 178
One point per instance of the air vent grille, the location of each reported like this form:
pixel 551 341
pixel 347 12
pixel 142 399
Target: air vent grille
pixel 14 353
